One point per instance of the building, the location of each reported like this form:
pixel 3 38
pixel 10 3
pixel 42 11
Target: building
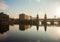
pixel 24 17
pixel 4 19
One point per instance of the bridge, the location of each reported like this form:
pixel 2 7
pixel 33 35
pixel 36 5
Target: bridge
pixel 47 21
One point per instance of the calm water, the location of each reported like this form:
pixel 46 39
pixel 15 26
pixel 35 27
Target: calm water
pixel 29 34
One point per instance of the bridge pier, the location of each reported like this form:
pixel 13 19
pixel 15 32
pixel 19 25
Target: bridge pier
pixel 59 23
pixel 52 22
pixel 42 22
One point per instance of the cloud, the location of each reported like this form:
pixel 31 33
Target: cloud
pixel 3 6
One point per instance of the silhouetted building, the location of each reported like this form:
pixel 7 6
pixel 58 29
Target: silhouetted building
pixel 16 21
pixel 4 19
pixel 11 21
pixel 24 17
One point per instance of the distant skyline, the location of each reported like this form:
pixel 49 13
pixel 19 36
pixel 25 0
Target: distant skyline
pixel 30 7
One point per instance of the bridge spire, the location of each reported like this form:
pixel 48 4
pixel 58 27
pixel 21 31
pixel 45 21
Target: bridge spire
pixel 37 16
pixel 37 22
pixel 45 22
pixel 45 17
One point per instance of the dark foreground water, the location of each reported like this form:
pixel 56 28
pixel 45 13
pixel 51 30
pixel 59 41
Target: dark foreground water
pixel 29 34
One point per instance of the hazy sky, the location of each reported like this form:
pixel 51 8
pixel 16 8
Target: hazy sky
pixel 30 7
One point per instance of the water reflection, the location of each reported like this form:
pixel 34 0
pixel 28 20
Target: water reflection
pixel 22 34
pixel 37 26
pixel 24 27
pixel 4 28
pixel 45 27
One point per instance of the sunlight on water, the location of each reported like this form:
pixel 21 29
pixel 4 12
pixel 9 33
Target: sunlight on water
pixel 3 36
pixel 48 22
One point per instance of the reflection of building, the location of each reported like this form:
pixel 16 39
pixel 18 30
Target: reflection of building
pixel 4 19
pixel 24 17
pixel 24 27
pixel 4 28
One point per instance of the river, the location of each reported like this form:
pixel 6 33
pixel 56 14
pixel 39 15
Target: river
pixel 29 33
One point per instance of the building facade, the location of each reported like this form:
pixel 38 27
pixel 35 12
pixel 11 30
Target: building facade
pixel 4 19
pixel 24 17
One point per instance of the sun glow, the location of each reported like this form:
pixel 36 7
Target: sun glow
pixel 58 30
pixel 58 12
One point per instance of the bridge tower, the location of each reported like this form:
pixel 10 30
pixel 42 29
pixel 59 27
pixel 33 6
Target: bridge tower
pixel 37 19
pixel 37 22
pixel 45 19
pixel 45 22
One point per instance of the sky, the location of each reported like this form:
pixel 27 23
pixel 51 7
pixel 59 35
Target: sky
pixel 30 7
